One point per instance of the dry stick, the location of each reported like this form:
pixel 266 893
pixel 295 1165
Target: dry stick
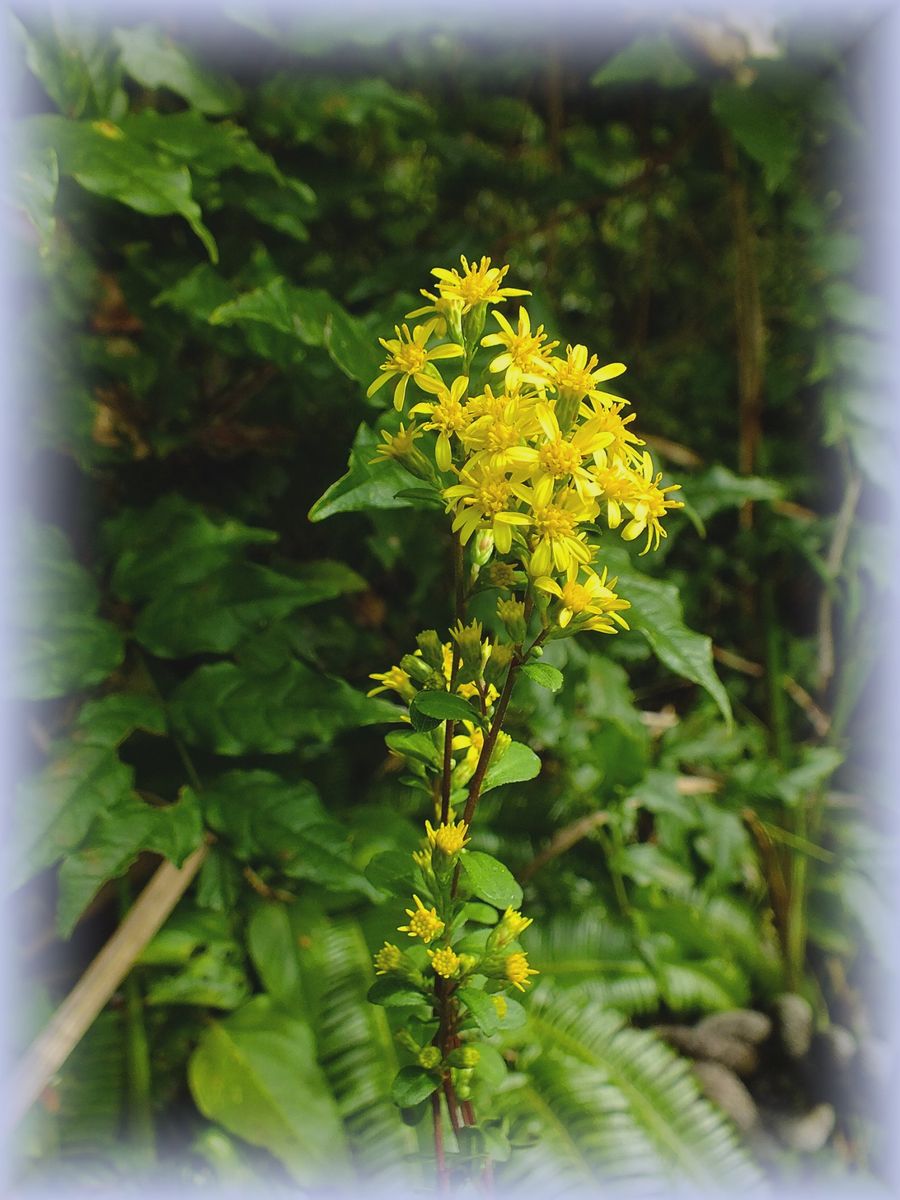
pixel 838 547
pixel 90 995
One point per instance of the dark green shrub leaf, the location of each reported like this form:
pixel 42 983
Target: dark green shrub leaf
pixel 256 1074
pixel 518 764
pixel 155 61
pixel 481 1006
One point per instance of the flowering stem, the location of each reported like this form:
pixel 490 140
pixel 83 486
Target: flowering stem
pixel 460 598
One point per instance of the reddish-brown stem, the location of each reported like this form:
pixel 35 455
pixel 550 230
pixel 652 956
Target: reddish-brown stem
pixel 448 747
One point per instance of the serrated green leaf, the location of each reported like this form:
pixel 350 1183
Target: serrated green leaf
pixel 490 880
pixel 651 59
pixel 763 125
pixel 366 485
pixel 232 710
pixel 256 1074
pixel 545 675
pixel 656 612
pixel 170 544
pixel 61 644
pixel 102 159
pixel 113 842
pixel 156 61
pixel 517 764
pixel 216 613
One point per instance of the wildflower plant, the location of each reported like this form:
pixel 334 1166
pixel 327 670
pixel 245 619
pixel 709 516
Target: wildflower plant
pixel 530 457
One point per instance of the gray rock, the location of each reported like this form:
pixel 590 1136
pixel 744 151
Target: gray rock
pixel 732 1053
pixel 743 1023
pixel 724 1089
pixel 840 1046
pixel 809 1133
pixel 794 1015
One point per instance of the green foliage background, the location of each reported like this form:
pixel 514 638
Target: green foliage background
pixel 216 229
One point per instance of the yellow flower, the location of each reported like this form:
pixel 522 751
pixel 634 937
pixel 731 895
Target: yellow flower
pixel 484 498
pixel 409 358
pixel 648 505
pixel 449 839
pixel 515 922
pixel 444 961
pixel 592 599
pixel 622 441
pixel 577 375
pixel 517 970
pixel 447 312
pixel 524 356
pixel 388 958
pixel 498 436
pixel 500 1005
pixel 479 283
pixel 616 482
pixel 555 518
pixel 447 413
pixel 561 456
pixel 397 445
pixel 394 680
pixel 471 741
pixel 424 922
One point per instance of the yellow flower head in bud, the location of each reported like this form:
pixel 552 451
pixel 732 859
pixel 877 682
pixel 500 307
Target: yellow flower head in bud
pixel 502 575
pixel 449 839
pixel 471 647
pixel 424 922
pixel 397 445
pixel 394 680
pixel 500 1006
pixel 429 1057
pixel 388 958
pixel 422 858
pixel 512 613
pixel 447 312
pixel 517 970
pixel 470 1056
pixel 514 923
pixel 479 283
pixel 444 962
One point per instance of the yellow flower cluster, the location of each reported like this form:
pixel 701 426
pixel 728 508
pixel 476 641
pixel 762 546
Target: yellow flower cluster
pixel 536 450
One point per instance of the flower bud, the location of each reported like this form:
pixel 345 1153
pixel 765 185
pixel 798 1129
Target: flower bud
pixel 468 639
pixel 482 547
pixel 512 614
pixel 498 664
pixel 429 1057
pixel 432 650
pixel 416 668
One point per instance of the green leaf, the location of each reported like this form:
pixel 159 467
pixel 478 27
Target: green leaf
pixel 419 746
pixel 36 181
pixel 391 992
pixel 366 485
pixel 545 675
pixel 718 488
pixel 517 764
pixel 272 945
pixel 216 613
pixel 490 880
pixel 156 61
pixel 412 1085
pixel 109 721
pixel 61 644
pixel 763 125
pixel 445 706
pixel 649 59
pixel 170 544
pixel 481 1006
pixel 390 872
pixel 104 160
pixel 656 612
pixel 256 1074
pixel 113 842
pixel 234 710
pixel 270 819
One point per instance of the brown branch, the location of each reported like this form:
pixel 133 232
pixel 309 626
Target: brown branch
pixel 90 995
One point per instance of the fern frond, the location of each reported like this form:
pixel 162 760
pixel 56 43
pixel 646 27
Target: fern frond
pixel 356 1052
pixel 619 1103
